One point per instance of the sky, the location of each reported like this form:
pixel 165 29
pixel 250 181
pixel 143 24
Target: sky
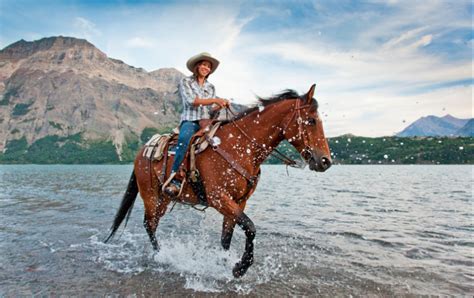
pixel 378 65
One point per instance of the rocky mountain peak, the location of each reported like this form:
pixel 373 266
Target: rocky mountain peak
pixel 455 121
pixel 23 49
pixel 435 126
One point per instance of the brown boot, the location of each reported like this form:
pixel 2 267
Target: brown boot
pixel 173 189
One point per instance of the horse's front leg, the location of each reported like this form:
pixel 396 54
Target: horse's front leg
pixel 232 211
pixel 228 226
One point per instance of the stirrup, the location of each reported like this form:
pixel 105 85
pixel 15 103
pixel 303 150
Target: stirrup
pixel 168 185
pixel 173 189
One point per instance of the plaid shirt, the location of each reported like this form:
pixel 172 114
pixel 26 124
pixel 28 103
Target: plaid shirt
pixel 188 90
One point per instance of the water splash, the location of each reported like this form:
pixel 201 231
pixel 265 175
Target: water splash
pixel 202 265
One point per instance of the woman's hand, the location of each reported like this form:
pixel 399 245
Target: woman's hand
pixel 222 103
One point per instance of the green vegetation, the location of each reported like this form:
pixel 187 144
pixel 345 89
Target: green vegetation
pixel 394 150
pixel 5 101
pixel 397 150
pixel 345 150
pixel 21 109
pixel 147 133
pixel 11 92
pixel 55 149
pixel 16 150
pixel 130 149
pixel 55 125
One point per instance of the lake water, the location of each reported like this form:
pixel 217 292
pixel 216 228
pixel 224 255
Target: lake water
pixel 354 230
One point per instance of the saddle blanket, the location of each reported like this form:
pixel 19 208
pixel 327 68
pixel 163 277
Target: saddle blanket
pixel 154 148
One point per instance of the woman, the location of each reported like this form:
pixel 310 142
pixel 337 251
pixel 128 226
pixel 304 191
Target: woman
pixel 197 95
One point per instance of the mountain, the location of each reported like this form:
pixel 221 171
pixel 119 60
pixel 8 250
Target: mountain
pixel 434 126
pixel 64 86
pixel 467 130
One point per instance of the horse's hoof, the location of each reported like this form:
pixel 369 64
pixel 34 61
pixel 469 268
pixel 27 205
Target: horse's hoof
pixel 239 270
pixel 226 245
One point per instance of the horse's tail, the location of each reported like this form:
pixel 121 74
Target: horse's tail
pixel 126 206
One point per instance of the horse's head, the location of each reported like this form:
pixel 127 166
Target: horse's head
pixel 303 128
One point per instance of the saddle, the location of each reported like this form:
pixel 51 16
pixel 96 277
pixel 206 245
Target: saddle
pixel 155 147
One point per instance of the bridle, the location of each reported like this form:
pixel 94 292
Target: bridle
pixel 306 153
pixel 302 134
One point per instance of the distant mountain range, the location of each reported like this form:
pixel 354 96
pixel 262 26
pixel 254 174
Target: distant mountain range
pixel 439 126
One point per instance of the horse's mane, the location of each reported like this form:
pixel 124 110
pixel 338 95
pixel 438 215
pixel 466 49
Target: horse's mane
pixel 265 101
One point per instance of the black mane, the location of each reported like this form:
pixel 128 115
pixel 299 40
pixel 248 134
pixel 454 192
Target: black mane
pixel 265 101
pixel 285 94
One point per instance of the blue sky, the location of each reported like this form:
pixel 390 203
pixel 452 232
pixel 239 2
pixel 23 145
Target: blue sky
pixel 378 65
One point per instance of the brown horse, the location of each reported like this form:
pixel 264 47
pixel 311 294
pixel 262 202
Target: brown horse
pixel 230 172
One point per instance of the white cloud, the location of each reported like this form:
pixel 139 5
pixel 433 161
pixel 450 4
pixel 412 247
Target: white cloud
pixel 402 68
pixel 86 28
pixel 423 41
pixel 405 36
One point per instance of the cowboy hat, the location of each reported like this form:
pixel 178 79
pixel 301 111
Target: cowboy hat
pixel 200 57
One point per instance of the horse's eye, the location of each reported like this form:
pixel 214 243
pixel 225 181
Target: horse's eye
pixel 310 121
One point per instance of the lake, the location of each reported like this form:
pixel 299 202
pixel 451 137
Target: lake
pixel 354 230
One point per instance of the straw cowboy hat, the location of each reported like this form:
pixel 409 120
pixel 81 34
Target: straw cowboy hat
pixel 200 57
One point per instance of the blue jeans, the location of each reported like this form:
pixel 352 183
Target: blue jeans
pixel 186 130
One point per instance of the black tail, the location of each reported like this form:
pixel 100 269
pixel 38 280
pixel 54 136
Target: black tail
pixel 126 206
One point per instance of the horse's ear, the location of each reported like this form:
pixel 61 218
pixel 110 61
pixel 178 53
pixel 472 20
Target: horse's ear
pixel 309 95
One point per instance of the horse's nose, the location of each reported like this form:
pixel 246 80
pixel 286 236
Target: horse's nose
pixel 325 163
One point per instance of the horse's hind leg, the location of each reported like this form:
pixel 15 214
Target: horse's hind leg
pixel 155 208
pixel 150 191
pixel 228 226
